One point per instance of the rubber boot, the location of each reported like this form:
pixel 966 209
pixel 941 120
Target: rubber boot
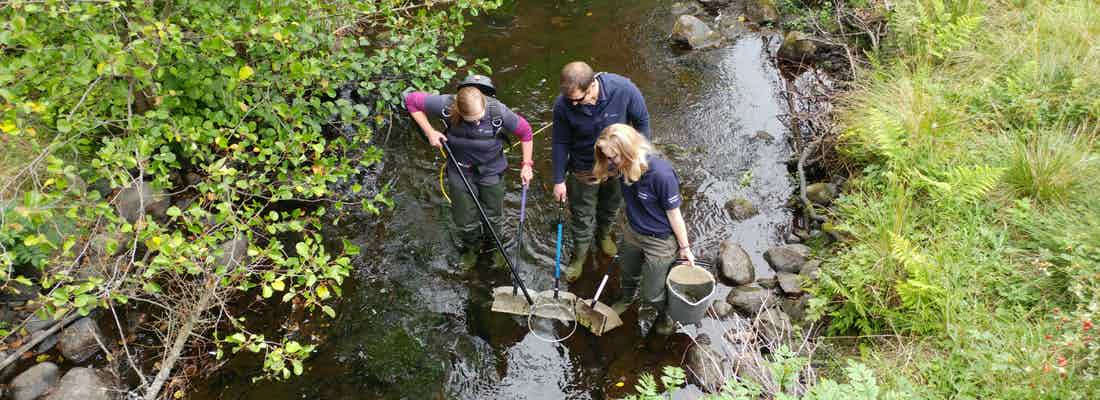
pixel 624 302
pixel 664 324
pixel 607 243
pixel 498 261
pixel 576 265
pixel 468 259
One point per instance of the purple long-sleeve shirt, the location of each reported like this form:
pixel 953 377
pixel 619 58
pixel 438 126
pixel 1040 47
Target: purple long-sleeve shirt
pixel 433 106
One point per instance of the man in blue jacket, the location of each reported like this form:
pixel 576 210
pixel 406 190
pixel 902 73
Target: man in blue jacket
pixel 588 103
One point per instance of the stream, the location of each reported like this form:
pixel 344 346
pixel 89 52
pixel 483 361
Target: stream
pixel 411 326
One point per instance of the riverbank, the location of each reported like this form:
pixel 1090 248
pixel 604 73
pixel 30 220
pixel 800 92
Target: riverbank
pixel 972 260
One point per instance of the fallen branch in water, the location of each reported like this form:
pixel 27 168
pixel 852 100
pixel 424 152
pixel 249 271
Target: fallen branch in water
pixel 37 338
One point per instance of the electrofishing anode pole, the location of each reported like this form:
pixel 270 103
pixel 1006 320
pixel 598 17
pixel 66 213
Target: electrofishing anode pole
pixel 519 234
pixel 557 253
pixel 485 219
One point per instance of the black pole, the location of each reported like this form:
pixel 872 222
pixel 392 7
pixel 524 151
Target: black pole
pixel 485 219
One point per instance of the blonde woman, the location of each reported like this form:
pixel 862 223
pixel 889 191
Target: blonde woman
pixel 656 232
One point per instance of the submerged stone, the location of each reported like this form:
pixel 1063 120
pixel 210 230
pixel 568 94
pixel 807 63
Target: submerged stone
pixel 695 33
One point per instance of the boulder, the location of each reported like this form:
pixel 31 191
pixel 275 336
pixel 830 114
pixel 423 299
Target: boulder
pixel 811 270
pixel 722 309
pixel 739 336
pixel 821 193
pixel 758 11
pixel 768 283
pixel 704 365
pixel 131 202
pixel 796 308
pixel 773 327
pixel 791 284
pixel 741 209
pixel 695 33
pixel 35 381
pixel 15 292
pixel 35 324
pixel 763 136
pixel 735 264
pixel 750 300
pixel 234 253
pixel 84 384
pixel 788 257
pixel 797 47
pixel 732 27
pixel 80 340
pixel 685 8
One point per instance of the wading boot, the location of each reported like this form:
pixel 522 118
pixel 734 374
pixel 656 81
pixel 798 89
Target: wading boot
pixel 468 259
pixel 576 265
pixel 664 325
pixel 624 302
pixel 498 261
pixel 607 243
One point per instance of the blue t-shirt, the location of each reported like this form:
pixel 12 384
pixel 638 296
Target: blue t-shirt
pixel 576 128
pixel 648 199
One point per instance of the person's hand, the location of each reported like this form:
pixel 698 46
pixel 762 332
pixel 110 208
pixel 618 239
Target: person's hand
pixel 526 173
pixel 435 138
pixel 686 254
pixel 559 192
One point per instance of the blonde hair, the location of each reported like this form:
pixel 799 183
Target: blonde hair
pixel 468 102
pixel 629 145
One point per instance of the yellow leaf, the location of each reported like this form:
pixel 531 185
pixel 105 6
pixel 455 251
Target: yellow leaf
pixel 178 394
pixel 244 107
pixel 278 36
pixel 244 73
pixel 278 285
pixel 322 292
pixel 8 126
pixel 619 384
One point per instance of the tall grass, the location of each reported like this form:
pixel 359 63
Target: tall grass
pixel 976 134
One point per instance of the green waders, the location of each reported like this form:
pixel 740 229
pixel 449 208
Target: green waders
pixel 490 192
pixel 594 207
pixel 645 262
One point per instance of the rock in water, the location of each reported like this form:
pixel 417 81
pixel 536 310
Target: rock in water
pixel 790 283
pixel 788 257
pixel 797 47
pixel 811 270
pixel 735 264
pixel 685 8
pixel 741 209
pixel 84 384
pixel 80 340
pixel 773 327
pixel 695 33
pixel 34 381
pixel 761 11
pixel 821 193
pixel 705 365
pixel 750 300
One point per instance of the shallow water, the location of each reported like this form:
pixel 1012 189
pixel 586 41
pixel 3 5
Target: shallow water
pixel 412 327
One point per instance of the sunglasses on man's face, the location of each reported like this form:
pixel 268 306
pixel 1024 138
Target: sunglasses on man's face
pixel 575 101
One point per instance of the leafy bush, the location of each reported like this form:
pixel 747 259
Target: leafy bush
pixel 973 219
pixel 860 385
pixel 240 118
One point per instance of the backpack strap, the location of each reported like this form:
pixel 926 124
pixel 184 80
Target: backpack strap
pixel 496 116
pixel 445 114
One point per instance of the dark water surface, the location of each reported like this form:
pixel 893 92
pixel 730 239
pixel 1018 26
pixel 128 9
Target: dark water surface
pixel 410 326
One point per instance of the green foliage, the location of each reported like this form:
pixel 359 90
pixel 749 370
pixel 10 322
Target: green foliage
pixel 972 220
pixel 231 111
pixel 786 366
pixel 1046 166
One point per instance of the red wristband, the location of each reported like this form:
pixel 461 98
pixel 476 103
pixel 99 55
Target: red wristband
pixel 527 163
